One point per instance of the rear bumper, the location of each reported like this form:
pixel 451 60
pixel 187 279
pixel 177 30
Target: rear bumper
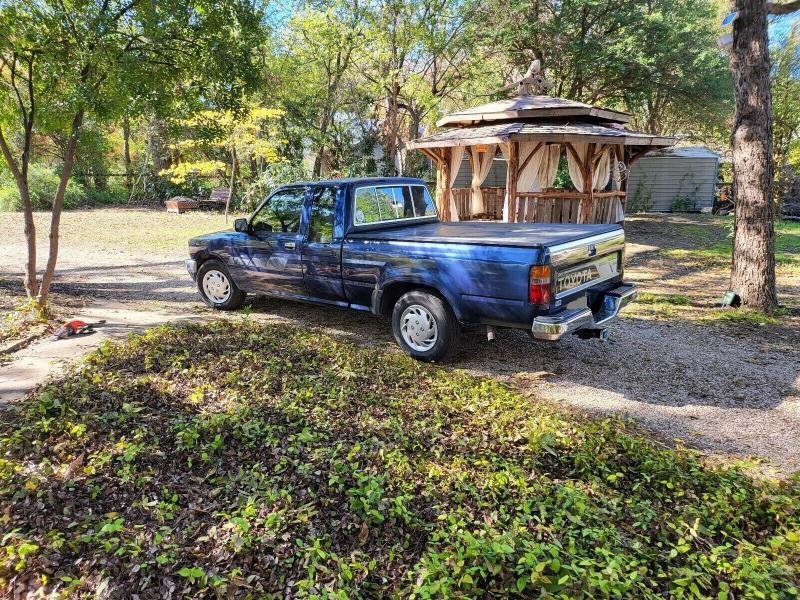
pixel 554 327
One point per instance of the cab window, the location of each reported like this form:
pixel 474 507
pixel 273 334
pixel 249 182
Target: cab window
pixel 375 204
pixel 281 213
pixel 323 202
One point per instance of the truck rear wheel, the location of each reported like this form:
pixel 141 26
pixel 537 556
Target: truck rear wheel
pixel 216 286
pixel 424 326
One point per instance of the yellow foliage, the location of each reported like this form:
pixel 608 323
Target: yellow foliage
pixel 247 133
pixel 793 156
pixel 180 172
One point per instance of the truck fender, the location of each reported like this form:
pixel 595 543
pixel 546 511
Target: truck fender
pixel 406 283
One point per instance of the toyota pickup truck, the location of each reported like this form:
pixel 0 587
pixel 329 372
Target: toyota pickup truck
pixel 377 245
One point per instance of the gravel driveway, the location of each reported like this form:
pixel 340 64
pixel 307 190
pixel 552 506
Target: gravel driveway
pixel 729 389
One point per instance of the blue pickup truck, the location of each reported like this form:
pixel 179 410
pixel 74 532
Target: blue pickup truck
pixel 376 244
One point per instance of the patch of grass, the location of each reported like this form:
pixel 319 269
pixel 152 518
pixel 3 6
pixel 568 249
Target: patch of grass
pixel 111 232
pixel 660 306
pixel 787 248
pixel 21 322
pixel 702 232
pixel 256 460
pixel 654 298
pixel 744 315
pixel 712 256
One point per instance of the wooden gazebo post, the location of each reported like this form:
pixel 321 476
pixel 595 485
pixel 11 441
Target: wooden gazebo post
pixel 511 182
pixel 441 157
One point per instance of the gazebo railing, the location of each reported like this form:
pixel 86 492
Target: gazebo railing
pixel 542 207
pixel 493 199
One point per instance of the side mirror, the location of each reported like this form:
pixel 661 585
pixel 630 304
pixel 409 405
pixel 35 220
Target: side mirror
pixel 240 225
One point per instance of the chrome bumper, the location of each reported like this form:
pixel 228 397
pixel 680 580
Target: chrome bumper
pixel 554 327
pixel 191 267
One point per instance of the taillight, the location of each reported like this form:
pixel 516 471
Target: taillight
pixel 540 284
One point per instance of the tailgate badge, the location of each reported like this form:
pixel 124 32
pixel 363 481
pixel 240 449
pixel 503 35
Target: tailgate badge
pixel 592 249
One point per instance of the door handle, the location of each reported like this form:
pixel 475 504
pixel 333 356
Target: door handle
pixel 289 245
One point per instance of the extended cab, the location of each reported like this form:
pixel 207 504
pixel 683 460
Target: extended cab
pixel 377 245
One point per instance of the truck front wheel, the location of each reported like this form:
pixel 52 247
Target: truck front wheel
pixel 216 286
pixel 424 326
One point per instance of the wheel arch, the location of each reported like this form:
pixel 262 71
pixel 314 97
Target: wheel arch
pixel 204 255
pixel 385 297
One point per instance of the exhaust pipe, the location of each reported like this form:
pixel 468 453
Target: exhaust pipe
pixel 490 333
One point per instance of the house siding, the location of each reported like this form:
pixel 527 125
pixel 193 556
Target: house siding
pixel 671 181
pixel 495 178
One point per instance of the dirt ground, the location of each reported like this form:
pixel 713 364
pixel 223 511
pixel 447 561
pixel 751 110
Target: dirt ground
pixel 725 382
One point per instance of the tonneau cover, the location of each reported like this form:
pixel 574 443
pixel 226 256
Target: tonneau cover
pixel 529 235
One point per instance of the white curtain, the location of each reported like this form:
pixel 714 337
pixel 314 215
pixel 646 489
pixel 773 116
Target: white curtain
pixel 548 168
pixel 602 171
pixel 575 169
pixel 528 179
pixel 456 155
pixel 481 164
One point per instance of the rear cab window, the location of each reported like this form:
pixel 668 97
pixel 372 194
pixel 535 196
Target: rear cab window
pixel 386 203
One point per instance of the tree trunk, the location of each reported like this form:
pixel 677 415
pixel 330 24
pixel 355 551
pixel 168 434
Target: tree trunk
pixel 30 282
pixel 126 153
pixel 753 271
pixel 58 205
pixel 20 173
pixel 318 160
pixel 157 145
pixel 232 186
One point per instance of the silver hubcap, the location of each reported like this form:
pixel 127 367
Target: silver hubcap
pixel 418 328
pixel 216 286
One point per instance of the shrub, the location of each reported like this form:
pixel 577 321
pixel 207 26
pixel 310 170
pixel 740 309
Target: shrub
pixel 42 183
pixel 108 196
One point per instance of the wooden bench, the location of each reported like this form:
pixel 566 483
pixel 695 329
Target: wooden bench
pixel 218 199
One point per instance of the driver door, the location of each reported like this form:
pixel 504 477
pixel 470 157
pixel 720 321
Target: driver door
pixel 271 254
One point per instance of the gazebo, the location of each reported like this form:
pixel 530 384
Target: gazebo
pixel 519 142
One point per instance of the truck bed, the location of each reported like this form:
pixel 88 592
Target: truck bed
pixel 529 235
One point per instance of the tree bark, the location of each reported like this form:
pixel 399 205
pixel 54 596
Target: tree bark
pixel 157 145
pixel 232 186
pixel 126 152
pixel 20 173
pixel 58 205
pixel 753 270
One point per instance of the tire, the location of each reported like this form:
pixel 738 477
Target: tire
pixel 216 286
pixel 424 326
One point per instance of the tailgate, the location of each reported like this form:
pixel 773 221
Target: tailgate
pixel 581 264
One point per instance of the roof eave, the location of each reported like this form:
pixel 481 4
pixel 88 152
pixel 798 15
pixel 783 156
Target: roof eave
pixel 654 141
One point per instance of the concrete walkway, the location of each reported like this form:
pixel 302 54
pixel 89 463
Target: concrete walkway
pixel 33 365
